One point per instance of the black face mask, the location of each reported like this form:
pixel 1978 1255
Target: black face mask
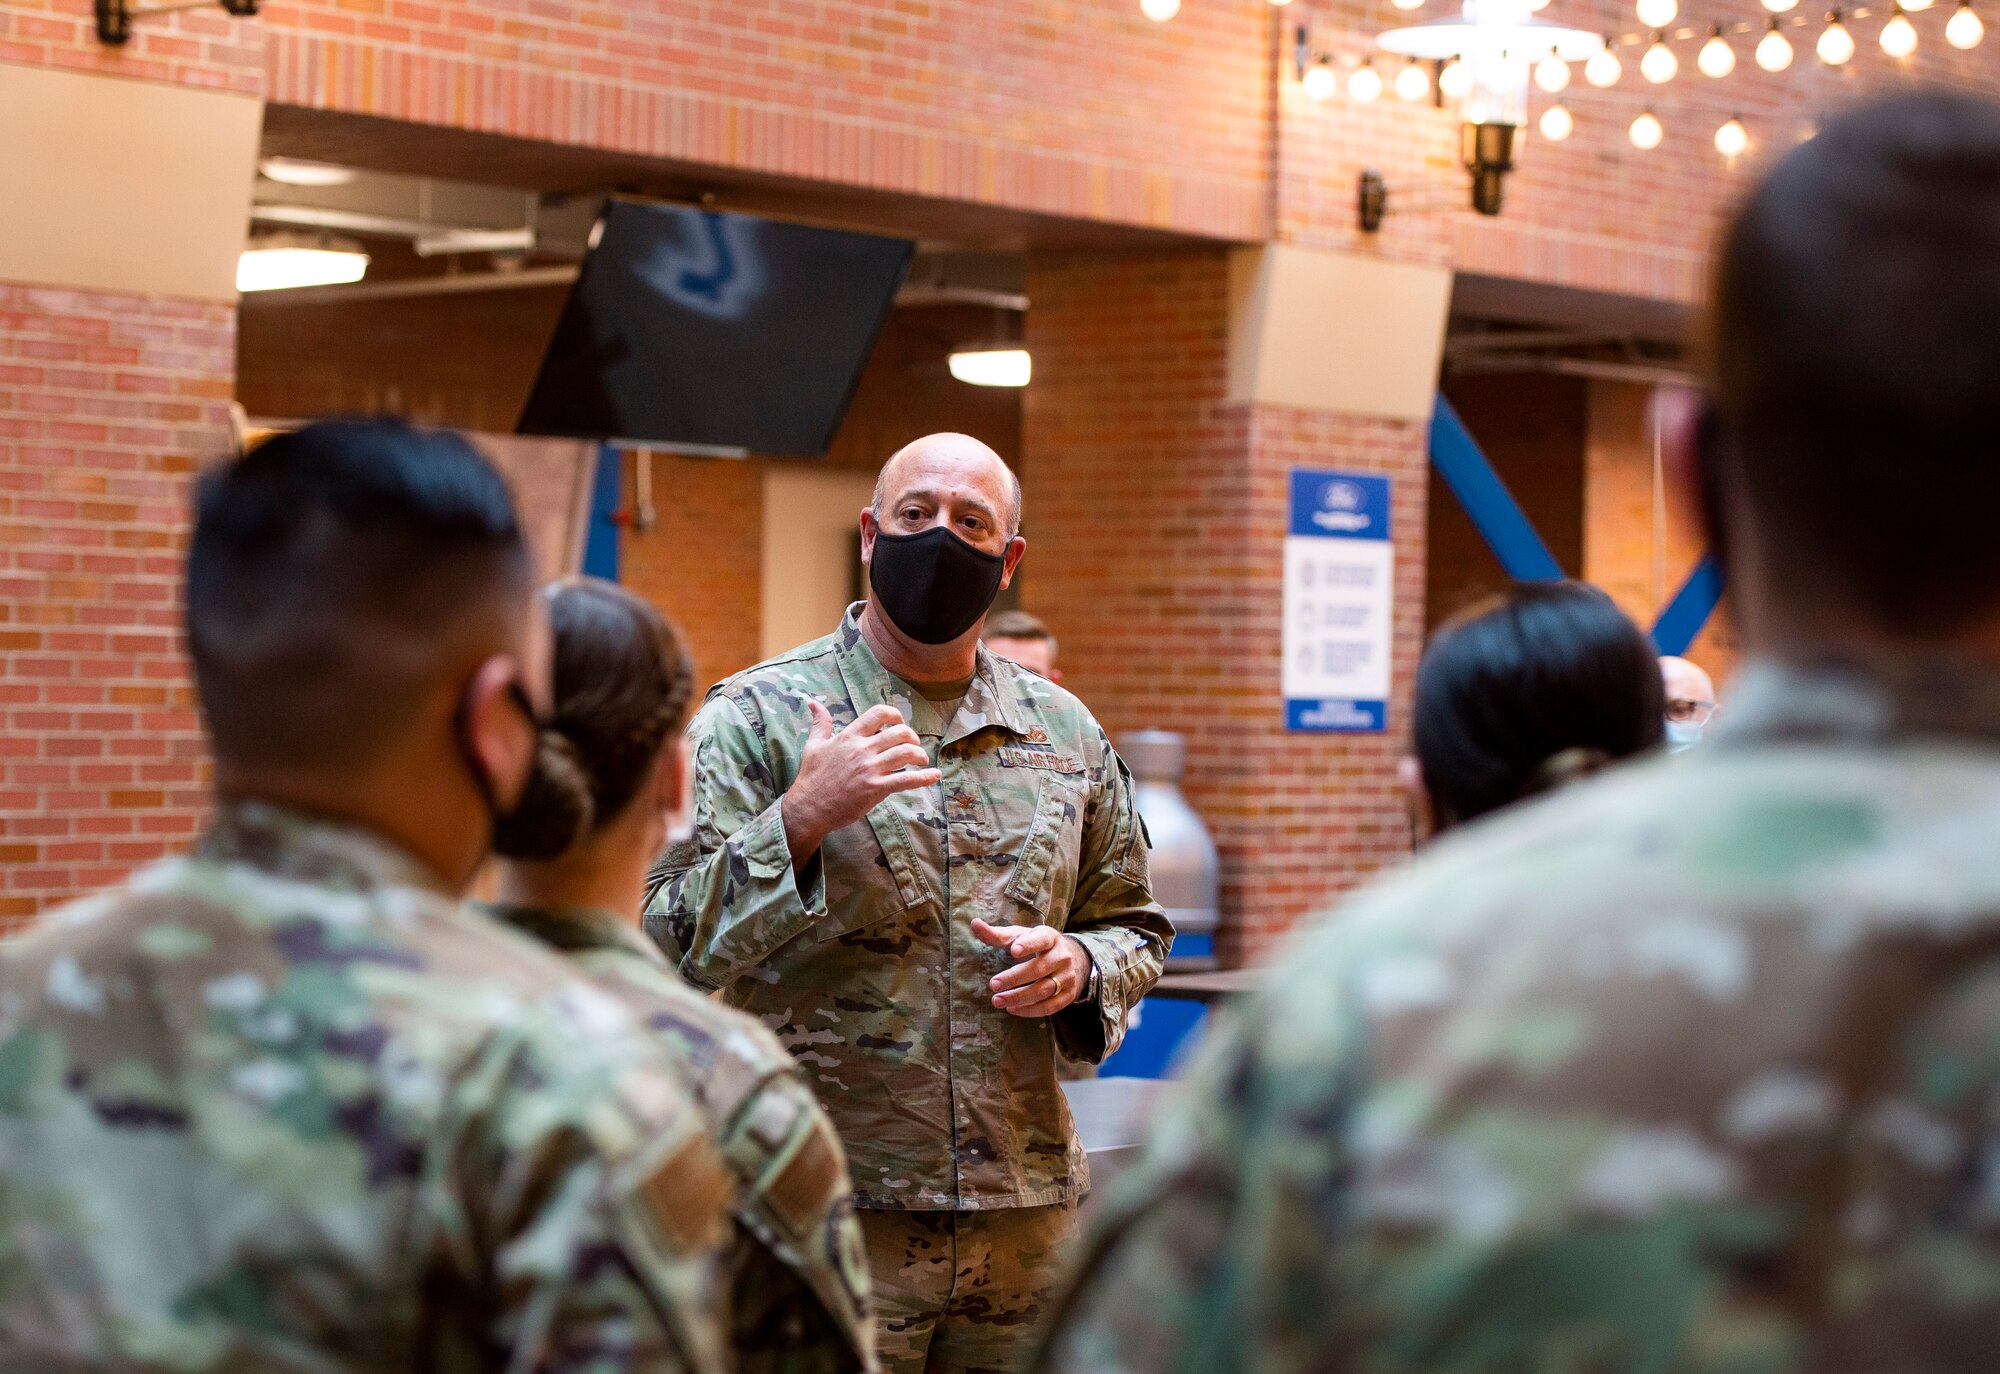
pixel 933 586
pixel 554 807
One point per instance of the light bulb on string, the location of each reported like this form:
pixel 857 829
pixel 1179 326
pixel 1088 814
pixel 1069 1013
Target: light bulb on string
pixel 1455 81
pixel 1657 14
pixel 1413 83
pixel 1646 132
pixel 1279 4
pixel 1365 84
pixel 1732 139
pixel 1160 11
pixel 1919 5
pixel 1407 4
pixel 1557 123
pixel 1716 58
pixel 1552 73
pixel 1319 81
pixel 1603 69
pixel 1836 44
pixel 1659 64
pixel 1774 50
pixel 1964 30
pixel 1899 36
pixel 1781 6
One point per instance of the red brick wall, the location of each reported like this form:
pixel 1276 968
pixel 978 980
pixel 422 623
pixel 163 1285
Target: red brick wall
pixel 106 404
pixel 702 563
pixel 1160 513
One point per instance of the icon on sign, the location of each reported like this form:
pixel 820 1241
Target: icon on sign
pixel 1341 496
pixel 1342 507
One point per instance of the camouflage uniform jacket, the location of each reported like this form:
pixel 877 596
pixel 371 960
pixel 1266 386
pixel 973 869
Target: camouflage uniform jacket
pixel 865 964
pixel 1693 1068
pixel 282 1105
pixel 799 1274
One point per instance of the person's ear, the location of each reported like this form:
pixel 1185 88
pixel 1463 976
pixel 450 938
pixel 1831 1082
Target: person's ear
pixel 1417 801
pixel 1686 426
pixel 499 733
pixel 1015 548
pixel 869 529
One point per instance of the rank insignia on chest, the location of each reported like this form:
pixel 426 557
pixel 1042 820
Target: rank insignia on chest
pixel 1037 736
pixel 1043 757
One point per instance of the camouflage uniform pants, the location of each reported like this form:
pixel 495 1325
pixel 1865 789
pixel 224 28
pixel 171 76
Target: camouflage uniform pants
pixel 963 1292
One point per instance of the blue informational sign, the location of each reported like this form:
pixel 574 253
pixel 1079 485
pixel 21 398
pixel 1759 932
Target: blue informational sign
pixel 1339 590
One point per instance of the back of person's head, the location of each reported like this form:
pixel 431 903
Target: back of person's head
pixel 339 577
pixel 1016 625
pixel 1539 685
pixel 622 684
pixel 1856 362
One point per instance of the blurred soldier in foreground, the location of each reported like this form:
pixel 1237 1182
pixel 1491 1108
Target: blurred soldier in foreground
pixel 921 865
pixel 285 1104
pixel 798 1276
pixel 1691 1068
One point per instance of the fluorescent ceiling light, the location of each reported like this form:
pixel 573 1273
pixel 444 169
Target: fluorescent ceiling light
pixel 294 172
pixel 992 366
pixel 284 267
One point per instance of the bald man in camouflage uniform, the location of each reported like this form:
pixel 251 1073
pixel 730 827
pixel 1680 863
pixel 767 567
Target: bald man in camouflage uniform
pixel 285 1104
pixel 1692 1069
pixel 922 866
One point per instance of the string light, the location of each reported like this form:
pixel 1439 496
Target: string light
pixel 1407 4
pixel 1413 83
pixel 1657 14
pixel 1280 3
pixel 1716 58
pixel 1964 29
pixel 1774 50
pixel 1552 73
pixel 1557 123
pixel 1919 5
pixel 1732 138
pixel 1455 81
pixel 1899 36
pixel 1781 6
pixel 1366 83
pixel 1320 82
pixel 1659 64
pixel 1836 44
pixel 1160 11
pixel 1603 69
pixel 1646 132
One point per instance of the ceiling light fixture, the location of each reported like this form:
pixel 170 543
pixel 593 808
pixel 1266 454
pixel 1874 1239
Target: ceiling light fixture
pixel 294 171
pixel 285 262
pixel 991 366
pixel 1964 30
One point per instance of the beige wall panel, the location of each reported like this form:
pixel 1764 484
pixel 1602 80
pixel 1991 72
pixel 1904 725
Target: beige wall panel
pixel 810 518
pixel 1335 331
pixel 552 480
pixel 117 185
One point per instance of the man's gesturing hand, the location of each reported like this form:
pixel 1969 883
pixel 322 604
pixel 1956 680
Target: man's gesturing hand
pixel 842 775
pixel 1050 975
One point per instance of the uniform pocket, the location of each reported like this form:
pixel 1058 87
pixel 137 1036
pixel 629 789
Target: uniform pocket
pixel 1045 870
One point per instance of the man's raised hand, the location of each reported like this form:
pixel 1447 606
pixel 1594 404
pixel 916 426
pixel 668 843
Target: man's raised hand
pixel 1049 976
pixel 844 773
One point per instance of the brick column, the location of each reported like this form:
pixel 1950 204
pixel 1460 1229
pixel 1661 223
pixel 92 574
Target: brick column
pixel 1159 523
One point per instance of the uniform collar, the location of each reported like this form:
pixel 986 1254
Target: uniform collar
pixel 987 700
pixel 1775 701
pixel 292 844
pixel 571 929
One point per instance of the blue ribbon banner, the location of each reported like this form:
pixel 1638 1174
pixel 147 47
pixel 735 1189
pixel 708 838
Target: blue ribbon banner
pixel 1338 597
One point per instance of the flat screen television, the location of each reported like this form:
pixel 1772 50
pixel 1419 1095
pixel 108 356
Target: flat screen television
pixel 710 332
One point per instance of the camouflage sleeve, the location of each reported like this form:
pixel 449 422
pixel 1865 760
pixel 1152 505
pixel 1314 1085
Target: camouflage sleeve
pixel 1231 1226
pixel 725 899
pixel 601 1209
pixel 1113 915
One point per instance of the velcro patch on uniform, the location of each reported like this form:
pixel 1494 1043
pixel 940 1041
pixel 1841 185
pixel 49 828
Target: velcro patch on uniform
pixel 690 1196
pixel 1038 756
pixel 810 1180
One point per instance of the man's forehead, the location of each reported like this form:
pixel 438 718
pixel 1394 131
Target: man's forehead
pixel 965 469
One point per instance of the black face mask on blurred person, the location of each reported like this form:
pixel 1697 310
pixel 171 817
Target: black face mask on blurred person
pixel 933 586
pixel 554 808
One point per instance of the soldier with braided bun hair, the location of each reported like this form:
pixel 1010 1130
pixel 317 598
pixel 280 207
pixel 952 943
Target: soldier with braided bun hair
pixel 612 783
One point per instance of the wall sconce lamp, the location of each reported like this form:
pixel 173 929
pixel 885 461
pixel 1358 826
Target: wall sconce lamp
pixel 115 18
